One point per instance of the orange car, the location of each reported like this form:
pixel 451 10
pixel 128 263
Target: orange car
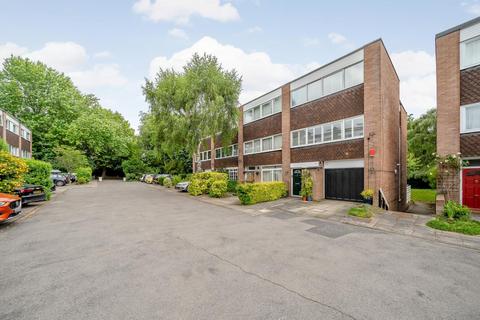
pixel 10 206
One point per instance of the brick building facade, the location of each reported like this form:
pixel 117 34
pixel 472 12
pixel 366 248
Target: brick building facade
pixel 458 108
pixel 16 135
pixel 343 122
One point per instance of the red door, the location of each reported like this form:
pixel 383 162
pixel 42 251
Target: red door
pixel 471 188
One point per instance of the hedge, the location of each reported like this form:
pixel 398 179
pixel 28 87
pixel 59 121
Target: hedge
pixel 167 182
pixel 12 172
pixel 202 181
pixel 251 193
pixel 39 174
pixel 84 175
pixel 218 189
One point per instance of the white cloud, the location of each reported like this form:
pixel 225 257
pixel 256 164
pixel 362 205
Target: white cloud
pixel 103 55
pixel 99 76
pixel 260 74
pixel 64 56
pixel 9 48
pixel 472 7
pixel 178 33
pixel 416 70
pixel 255 29
pixel 310 42
pixel 180 11
pixel 336 38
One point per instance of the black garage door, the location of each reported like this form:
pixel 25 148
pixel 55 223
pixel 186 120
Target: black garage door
pixel 344 184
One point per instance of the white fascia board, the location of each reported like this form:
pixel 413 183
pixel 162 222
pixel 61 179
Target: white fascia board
pixel 470 32
pixel 305 165
pixel 343 164
pixel 267 97
pixel 353 58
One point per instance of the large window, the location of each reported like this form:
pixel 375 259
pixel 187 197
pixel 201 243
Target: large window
pixel 12 126
pixel 25 134
pixel 470 118
pixel 232 173
pixel 470 53
pixel 328 132
pixel 342 79
pixel 14 150
pixel 264 110
pixel 26 154
pixel 270 143
pixel 271 173
pixel 230 151
pixel 205 155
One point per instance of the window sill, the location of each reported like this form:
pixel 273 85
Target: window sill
pixel 328 142
pixel 249 154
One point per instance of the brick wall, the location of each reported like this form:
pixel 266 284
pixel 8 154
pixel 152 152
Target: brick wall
pixel 226 162
pixel 262 128
pixel 345 104
pixel 470 144
pixel 265 158
pixel 205 165
pixel 205 144
pixel 448 100
pixel 286 123
pixel 470 86
pixel 352 149
pixel 26 145
pixel 218 141
pixel 12 139
pixel 241 166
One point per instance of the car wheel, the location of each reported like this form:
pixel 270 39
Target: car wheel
pixel 60 183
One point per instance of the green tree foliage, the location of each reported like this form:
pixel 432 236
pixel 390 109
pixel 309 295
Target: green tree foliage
pixel 134 167
pixel 44 99
pixel 422 145
pixel 39 174
pixel 12 172
pixel 190 105
pixel 68 159
pixel 104 136
pixel 3 146
pixel 84 175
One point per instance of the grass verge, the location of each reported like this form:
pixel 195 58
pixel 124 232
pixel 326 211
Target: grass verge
pixel 470 227
pixel 361 211
pixel 424 195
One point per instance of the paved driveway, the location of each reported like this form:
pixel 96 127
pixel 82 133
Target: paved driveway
pixel 130 251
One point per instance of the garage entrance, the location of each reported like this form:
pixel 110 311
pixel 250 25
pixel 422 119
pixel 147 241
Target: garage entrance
pixel 344 184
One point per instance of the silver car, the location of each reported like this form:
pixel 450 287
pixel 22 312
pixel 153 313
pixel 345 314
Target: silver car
pixel 182 186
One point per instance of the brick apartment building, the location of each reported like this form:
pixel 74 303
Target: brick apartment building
pixel 343 122
pixel 17 136
pixel 458 105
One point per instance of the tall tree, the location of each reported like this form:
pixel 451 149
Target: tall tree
pixel 69 159
pixel 190 105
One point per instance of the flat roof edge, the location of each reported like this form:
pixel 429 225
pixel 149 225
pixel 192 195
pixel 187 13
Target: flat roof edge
pixel 458 27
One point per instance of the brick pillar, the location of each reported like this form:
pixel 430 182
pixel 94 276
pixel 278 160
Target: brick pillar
pixel 212 150
pixel 372 117
pixel 241 167
pixel 286 136
pixel 448 101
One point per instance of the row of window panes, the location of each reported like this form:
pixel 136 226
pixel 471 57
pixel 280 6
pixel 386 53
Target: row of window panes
pixel 205 155
pixel 263 110
pixel 230 151
pixel 335 82
pixel 470 53
pixel 25 134
pixel 26 154
pixel 328 132
pixel 12 126
pixel 271 173
pixel 264 144
pixel 470 118
pixel 14 150
pixel 232 174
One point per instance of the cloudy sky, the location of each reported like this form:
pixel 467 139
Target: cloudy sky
pixel 108 47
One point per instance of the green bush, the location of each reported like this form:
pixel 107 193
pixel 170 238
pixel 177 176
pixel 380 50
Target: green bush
pixel 176 179
pixel 197 187
pixel 39 174
pixel 160 180
pixel 12 172
pixel 3 146
pixel 250 193
pixel 133 168
pixel 218 189
pixel 307 184
pixel 84 175
pixel 167 182
pixel 232 186
pixel 470 227
pixel 455 211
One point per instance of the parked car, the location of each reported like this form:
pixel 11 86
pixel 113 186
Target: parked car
pixel 142 179
pixel 58 178
pixel 31 193
pixel 149 178
pixel 182 186
pixel 10 206
pixel 156 177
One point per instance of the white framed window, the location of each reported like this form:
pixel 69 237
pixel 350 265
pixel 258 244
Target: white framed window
pixel 264 110
pixel 230 151
pixel 270 143
pixel 1 119
pixel 12 126
pixel 25 134
pixel 470 118
pixel 271 173
pixel 205 155
pixel 232 173
pixel 470 53
pixel 344 129
pixel 15 151
pixel 26 154
pixel 341 79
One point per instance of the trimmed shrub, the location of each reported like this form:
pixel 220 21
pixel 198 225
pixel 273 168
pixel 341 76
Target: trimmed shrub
pixel 176 179
pixel 232 186
pixel 133 168
pixel 12 172
pixel 39 174
pixel 160 180
pixel 218 189
pixel 455 211
pixel 251 193
pixel 196 187
pixel 84 175
pixel 167 182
